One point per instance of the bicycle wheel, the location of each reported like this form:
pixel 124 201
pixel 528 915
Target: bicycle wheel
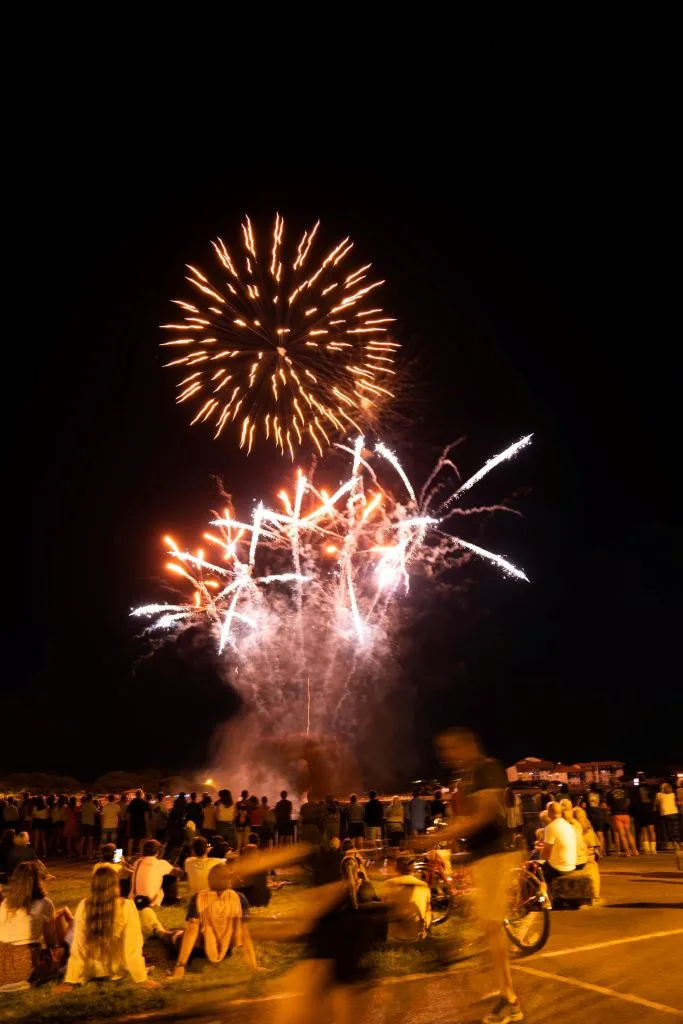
pixel 528 921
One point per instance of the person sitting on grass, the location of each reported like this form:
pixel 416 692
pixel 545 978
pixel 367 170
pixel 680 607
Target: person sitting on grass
pixel 216 923
pixel 149 874
pixel 410 901
pixel 255 887
pixel 21 852
pixel 33 935
pixel 123 868
pixel 197 867
pixel 107 942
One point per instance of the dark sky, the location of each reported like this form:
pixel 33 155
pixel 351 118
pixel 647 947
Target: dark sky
pixel 518 275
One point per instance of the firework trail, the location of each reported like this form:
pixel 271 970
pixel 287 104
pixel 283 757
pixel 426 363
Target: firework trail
pixel 284 347
pixel 309 592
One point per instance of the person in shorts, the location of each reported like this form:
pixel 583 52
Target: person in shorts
pixel 483 826
pixel 88 812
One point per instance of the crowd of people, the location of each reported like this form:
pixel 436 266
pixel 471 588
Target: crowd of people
pixel 627 817
pixel 225 851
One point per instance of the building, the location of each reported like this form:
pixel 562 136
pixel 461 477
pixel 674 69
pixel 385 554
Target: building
pixel 582 773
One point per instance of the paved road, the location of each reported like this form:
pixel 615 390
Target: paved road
pixel 623 961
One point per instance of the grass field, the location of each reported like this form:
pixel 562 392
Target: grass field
pixel 203 983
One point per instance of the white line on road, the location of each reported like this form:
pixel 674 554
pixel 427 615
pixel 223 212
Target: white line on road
pixel 626 996
pixel 610 942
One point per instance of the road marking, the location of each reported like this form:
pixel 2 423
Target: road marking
pixel 611 942
pixel 626 996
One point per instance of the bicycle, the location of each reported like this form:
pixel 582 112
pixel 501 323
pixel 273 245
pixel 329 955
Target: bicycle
pixel 527 923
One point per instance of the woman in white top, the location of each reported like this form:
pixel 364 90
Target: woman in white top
pixel 581 847
pixel 665 804
pixel 107 939
pixel 29 924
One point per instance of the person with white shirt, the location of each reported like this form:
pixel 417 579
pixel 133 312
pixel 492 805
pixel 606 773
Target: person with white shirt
pixel 197 866
pixel 559 845
pixel 149 873
pixel 110 820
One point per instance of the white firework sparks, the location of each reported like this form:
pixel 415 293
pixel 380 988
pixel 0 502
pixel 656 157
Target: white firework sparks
pixel 308 590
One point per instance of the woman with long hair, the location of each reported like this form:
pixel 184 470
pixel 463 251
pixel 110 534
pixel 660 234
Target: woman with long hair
pixel 32 934
pixel 40 822
pixel 107 939
pixel 591 841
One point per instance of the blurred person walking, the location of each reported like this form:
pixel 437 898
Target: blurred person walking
pixel 483 826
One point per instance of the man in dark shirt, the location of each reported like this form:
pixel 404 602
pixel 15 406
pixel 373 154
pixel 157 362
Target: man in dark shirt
pixel 283 818
pixel 374 816
pixel 484 827
pixel 619 802
pixel 193 811
pixel 139 813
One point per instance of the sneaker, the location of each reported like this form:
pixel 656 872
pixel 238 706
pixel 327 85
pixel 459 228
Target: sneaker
pixel 504 1012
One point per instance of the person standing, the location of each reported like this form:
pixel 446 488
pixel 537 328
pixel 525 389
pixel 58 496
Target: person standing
pixel 665 802
pixel 71 828
pixel 395 818
pixel 483 827
pixel 619 800
pixel 418 809
pixel 88 812
pixel 110 820
pixel 193 812
pixel 138 817
pixel 355 818
pixel 283 819
pixel 643 810
pixel 243 820
pixel 374 817
pixel 208 817
pixel 226 813
pixel 40 821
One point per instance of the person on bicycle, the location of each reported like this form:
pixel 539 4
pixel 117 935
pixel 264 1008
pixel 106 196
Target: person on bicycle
pixel 481 822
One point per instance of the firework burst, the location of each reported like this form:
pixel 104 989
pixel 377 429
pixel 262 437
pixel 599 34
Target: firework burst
pixel 284 347
pixel 304 589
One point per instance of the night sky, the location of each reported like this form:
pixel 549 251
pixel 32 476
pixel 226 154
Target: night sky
pixel 518 280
